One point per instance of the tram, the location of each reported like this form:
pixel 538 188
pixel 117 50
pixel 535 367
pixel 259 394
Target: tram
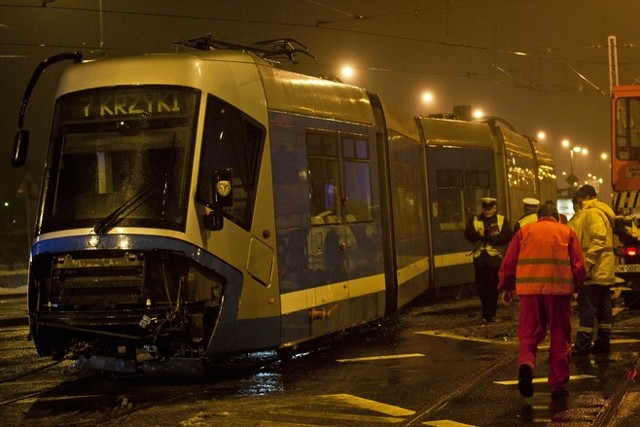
pixel 208 203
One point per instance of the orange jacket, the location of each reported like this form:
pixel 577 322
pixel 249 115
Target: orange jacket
pixel 543 258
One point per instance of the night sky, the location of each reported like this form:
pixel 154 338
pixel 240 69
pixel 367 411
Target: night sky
pixel 540 65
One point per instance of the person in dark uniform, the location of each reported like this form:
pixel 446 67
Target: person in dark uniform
pixel 490 232
pixel 530 215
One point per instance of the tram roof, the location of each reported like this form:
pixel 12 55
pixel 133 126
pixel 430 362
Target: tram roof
pixel 544 154
pixel 285 91
pixel 296 93
pixel 456 132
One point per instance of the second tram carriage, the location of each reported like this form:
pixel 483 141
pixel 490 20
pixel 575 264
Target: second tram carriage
pixel 206 203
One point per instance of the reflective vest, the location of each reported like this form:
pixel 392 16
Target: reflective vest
pixel 544 266
pixel 486 246
pixel 528 219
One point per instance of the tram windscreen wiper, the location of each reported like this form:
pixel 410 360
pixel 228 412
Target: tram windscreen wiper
pixel 135 201
pixel 121 212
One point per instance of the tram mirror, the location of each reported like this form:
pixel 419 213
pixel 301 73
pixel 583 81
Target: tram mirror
pixel 221 196
pixel 20 145
pixel 214 220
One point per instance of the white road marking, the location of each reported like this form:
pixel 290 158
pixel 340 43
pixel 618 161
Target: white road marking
pixel 544 380
pixel 445 423
pixel 441 334
pixel 543 346
pixel 371 405
pixel 392 356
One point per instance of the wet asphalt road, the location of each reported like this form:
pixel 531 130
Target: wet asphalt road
pixel 434 364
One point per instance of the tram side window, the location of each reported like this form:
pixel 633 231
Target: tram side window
pixel 476 184
pixel 231 140
pixel 407 199
pixel 628 128
pixel 339 177
pixel 521 172
pixel 357 179
pixel 459 192
pixel 450 199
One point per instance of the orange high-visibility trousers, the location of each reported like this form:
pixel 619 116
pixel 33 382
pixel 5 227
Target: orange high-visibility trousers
pixel 537 314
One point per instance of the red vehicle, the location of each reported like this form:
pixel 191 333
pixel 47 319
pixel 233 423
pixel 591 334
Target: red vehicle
pixel 625 180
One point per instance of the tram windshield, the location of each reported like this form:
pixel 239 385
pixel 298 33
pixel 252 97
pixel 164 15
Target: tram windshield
pixel 120 156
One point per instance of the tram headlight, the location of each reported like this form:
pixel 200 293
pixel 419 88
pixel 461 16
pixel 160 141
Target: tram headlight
pixel 123 242
pixel 93 240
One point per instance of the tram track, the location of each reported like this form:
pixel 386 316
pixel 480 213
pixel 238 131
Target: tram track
pixel 27 380
pixel 610 408
pixel 50 390
pixel 600 418
pixel 31 372
pixel 104 400
pixel 426 412
pixel 127 400
pixel 95 387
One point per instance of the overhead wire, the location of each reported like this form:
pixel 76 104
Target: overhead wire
pixel 307 25
pixel 325 26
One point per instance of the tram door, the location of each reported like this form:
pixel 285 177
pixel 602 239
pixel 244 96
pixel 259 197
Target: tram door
pixel 458 177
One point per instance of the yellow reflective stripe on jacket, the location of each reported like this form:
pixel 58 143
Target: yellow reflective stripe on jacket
pixel 533 217
pixel 544 270
pixel 536 261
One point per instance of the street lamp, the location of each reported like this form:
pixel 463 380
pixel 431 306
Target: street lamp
pixel 572 180
pixel 347 71
pixel 604 157
pixel 427 99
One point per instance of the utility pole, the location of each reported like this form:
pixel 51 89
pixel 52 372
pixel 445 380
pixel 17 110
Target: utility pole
pixel 613 63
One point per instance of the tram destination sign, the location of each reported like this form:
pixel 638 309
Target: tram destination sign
pixel 128 103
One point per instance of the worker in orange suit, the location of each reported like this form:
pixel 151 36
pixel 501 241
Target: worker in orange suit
pixel 544 266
